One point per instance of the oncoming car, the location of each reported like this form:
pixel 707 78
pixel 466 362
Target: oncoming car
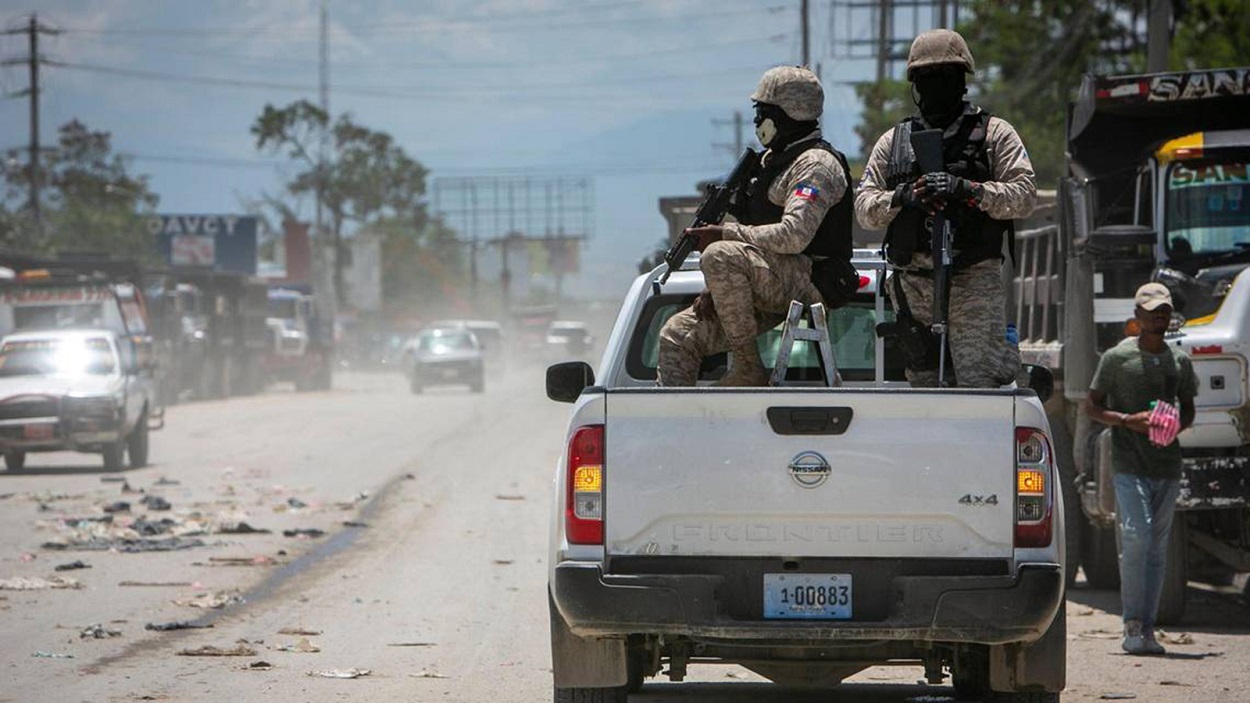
pixel 446 356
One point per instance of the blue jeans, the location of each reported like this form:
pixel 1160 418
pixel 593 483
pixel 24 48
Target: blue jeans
pixel 1144 507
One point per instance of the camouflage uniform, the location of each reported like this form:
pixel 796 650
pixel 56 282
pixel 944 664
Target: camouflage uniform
pixel 756 271
pixel 976 314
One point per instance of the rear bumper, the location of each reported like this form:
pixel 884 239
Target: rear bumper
pixel 970 609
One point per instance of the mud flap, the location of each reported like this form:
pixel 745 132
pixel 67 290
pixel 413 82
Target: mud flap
pixel 1041 666
pixel 579 662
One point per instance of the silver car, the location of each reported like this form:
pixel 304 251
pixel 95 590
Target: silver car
pixel 446 356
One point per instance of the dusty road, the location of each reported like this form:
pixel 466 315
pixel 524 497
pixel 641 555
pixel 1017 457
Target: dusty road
pixel 435 585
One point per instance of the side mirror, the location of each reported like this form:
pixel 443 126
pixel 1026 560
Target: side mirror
pixel 567 380
pixel 1041 380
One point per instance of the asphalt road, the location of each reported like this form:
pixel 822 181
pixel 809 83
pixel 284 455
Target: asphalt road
pixel 435 584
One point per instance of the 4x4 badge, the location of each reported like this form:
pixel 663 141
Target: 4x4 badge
pixel 809 469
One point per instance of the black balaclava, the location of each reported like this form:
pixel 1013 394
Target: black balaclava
pixel 776 130
pixel 939 93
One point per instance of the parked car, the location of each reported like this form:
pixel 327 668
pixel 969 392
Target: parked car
pixel 82 391
pixel 446 356
pixel 568 338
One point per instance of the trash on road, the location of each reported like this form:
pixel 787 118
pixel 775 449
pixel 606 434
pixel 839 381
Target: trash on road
pixel 208 650
pixel 51 655
pixel 299 631
pixel 127 546
pixel 176 625
pixel 35 583
pixel 1182 638
pixel 501 562
pixel 412 644
pixel 296 503
pixel 214 601
pixel 304 532
pixel 238 528
pixel 258 560
pixel 503 496
pixel 1101 634
pixel 163 481
pixel 354 523
pixel 428 675
pixel 1117 696
pixel 340 673
pixel 98 632
pixel 156 503
pixel 120 506
pixel 301 647
pixel 159 584
pixel 258 666
pixel 112 479
pixel 71 566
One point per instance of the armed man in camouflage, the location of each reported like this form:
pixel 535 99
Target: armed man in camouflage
pixel 792 210
pixel 988 182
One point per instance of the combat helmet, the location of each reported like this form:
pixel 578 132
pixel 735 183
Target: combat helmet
pixel 794 89
pixel 939 46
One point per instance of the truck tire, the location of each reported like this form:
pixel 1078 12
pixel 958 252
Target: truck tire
pixel 970 675
pixel 1100 557
pixel 1072 516
pixel 1176 578
pixel 137 442
pixel 15 460
pixel 115 455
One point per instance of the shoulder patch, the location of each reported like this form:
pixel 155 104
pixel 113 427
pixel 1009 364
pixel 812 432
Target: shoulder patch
pixel 806 191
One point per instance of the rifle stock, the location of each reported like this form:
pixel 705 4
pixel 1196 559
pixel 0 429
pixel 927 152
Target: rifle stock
pixel 711 211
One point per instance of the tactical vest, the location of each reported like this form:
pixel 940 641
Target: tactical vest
pixel 833 237
pixel 976 235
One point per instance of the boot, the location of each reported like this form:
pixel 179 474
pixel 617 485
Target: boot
pixel 747 368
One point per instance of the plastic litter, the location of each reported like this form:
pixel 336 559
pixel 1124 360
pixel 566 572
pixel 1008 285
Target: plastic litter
pixel 412 644
pixel 71 566
pixel 208 650
pixel 340 673
pixel 258 666
pixel 156 503
pixel 163 584
pixel 304 532
pixel 296 503
pixel 120 506
pixel 125 545
pixel 299 631
pixel 24 583
pixel 51 655
pixel 163 481
pixel 301 647
pixel 213 601
pixel 176 625
pixel 428 675
pixel 98 632
pixel 354 523
pixel 1117 696
pixel 1182 638
pixel 238 528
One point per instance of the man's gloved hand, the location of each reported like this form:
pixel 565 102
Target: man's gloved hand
pixel 949 187
pixel 908 195
pixel 704 307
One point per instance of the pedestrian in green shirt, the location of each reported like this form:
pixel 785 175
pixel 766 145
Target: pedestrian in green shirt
pixel 1133 378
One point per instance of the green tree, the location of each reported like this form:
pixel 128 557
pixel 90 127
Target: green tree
pixel 90 199
pixel 1212 34
pixel 364 178
pixel 886 103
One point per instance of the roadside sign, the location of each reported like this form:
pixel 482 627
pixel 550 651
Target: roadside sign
pixel 219 242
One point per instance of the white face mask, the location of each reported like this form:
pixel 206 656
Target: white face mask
pixel 766 131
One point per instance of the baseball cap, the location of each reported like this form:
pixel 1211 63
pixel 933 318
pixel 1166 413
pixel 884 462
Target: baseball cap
pixel 1152 295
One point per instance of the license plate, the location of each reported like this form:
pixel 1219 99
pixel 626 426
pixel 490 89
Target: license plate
pixel 807 596
pixel 38 431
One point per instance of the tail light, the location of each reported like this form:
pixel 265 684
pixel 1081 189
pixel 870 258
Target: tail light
pixel 1034 492
pixel 584 511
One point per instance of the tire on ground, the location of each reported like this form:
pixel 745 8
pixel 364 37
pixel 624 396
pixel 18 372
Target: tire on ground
pixel 15 460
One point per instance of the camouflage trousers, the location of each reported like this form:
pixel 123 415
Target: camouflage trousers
pixel 752 290
pixel 976 326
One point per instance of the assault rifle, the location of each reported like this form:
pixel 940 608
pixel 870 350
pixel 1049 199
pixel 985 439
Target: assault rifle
pixel 711 211
pixel 927 144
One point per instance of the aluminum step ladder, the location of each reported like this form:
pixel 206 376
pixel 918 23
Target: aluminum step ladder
pixel 817 330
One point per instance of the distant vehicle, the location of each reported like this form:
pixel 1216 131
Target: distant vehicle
pixel 300 350
pixel 74 390
pixel 568 336
pixel 444 356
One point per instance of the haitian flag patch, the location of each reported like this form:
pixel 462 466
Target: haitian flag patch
pixel 806 191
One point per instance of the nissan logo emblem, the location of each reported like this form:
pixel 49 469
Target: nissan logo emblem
pixel 809 469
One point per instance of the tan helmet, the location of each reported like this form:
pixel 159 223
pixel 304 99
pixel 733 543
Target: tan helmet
pixel 794 89
pixel 938 46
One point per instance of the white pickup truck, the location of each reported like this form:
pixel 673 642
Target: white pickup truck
pixel 801 531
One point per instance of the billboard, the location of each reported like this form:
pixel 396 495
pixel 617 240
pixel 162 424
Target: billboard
pixel 219 242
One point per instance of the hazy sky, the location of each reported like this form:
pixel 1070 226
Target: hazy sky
pixel 622 91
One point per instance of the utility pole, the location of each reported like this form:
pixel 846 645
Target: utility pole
pixel 737 122
pixel 33 29
pixel 1158 35
pixel 803 11
pixel 884 25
